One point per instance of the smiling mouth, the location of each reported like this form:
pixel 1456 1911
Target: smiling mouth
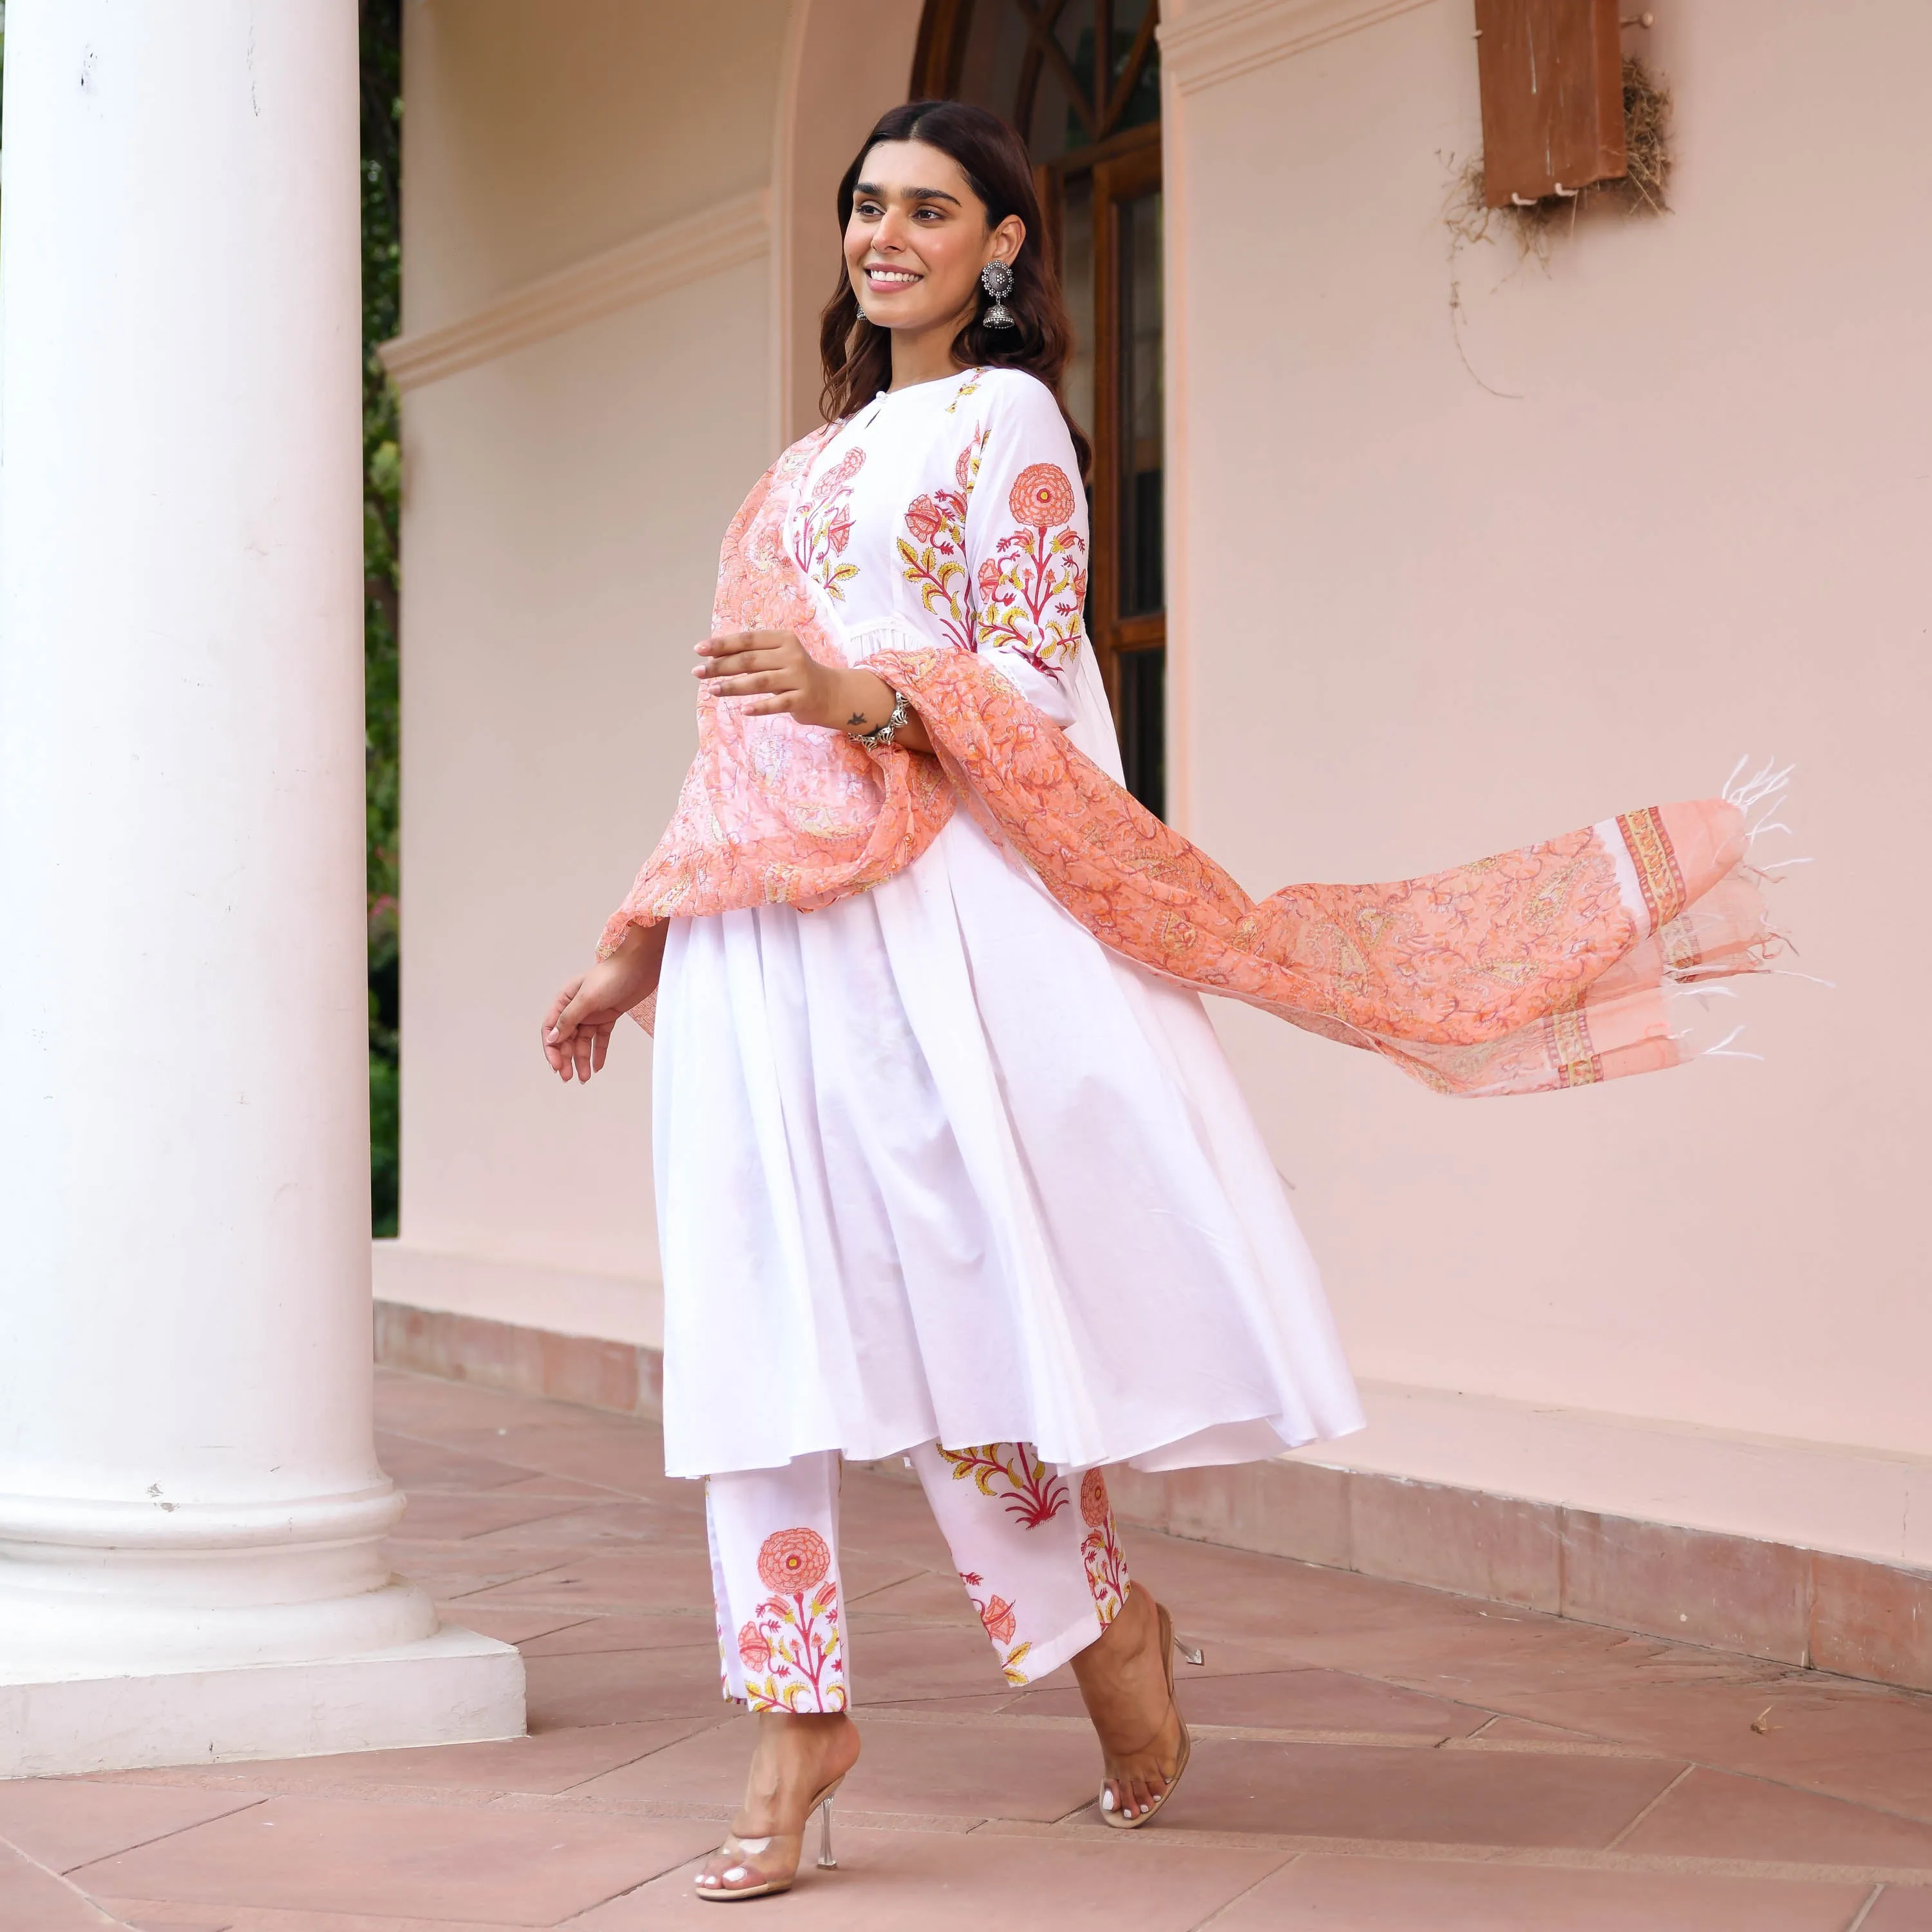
pixel 887 280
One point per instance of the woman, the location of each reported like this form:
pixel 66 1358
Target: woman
pixel 950 1163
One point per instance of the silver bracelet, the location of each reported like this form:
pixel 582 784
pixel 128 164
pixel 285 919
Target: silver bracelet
pixel 882 734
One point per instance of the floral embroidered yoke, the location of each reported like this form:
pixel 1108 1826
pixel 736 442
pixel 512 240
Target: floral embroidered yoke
pixel 1543 967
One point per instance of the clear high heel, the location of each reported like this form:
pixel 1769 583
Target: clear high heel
pixel 761 1866
pixel 1169 1644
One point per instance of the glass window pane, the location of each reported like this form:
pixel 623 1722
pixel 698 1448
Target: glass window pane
pixel 1076 271
pixel 1003 66
pixel 1142 106
pixel 1140 478
pixel 1140 678
pixel 1058 127
pixel 1128 15
pixel 995 55
pixel 1074 31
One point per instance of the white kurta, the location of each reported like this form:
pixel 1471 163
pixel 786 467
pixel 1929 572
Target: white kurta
pixel 932 1162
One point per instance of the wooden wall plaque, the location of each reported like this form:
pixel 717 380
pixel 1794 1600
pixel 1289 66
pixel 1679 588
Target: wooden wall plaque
pixel 1551 75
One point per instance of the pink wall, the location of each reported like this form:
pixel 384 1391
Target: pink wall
pixel 534 140
pixel 1419 622
pixel 563 503
pixel 1413 620
pixel 846 63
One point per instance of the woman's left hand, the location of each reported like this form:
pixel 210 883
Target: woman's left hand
pixel 774 672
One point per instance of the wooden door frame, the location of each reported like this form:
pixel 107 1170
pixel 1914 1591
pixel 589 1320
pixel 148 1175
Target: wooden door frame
pixel 1122 166
pixel 1131 170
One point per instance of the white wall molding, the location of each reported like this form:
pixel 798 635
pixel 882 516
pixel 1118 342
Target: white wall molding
pixel 526 1295
pixel 1204 50
pixel 1860 1501
pixel 720 237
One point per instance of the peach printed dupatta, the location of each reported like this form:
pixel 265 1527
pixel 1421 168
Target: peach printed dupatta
pixel 1547 967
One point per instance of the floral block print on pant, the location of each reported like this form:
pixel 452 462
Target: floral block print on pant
pixel 774 1567
pixel 1045 1575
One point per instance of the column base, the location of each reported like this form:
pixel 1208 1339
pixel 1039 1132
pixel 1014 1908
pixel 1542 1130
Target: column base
pixel 453 1686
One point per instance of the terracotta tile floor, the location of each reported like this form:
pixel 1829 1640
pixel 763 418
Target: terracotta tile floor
pixel 1368 1755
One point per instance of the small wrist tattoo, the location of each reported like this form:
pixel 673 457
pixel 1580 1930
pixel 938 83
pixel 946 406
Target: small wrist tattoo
pixel 857 717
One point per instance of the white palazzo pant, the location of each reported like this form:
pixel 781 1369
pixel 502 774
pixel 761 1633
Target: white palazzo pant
pixel 1041 1564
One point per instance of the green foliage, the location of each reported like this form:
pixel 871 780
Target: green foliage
pixel 385 1118
pixel 381 85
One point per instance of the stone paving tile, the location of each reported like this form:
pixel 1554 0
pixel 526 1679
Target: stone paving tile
pixel 1900 1909
pixel 1718 1814
pixel 142 1915
pixel 890 1664
pixel 427 1405
pixel 65 1822
pixel 609 1454
pixel 440 1515
pixel 1344 1894
pixel 970 1769
pixel 147 1914
pixel 706 1768
pixel 1862 1741
pixel 325 1854
pixel 1526 1734
pixel 986 1704
pixel 450 1578
pixel 588 1526
pixel 513 1626
pixel 964 1770
pixel 1370 1755
pixel 1517 1673
pixel 673 1577
pixel 929 1597
pixel 1235 1595
pixel 669 1630
pixel 1424 1797
pixel 569 1487
pixel 1299 1700
pixel 549 1761
pixel 863 1568
pixel 891 1510
pixel 894 1881
pixel 31 1897
pixel 1899 1781
pixel 614 1686
pixel 415 1464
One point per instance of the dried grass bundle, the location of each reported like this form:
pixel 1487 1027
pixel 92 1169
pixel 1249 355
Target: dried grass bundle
pixel 1641 190
pixel 1647 137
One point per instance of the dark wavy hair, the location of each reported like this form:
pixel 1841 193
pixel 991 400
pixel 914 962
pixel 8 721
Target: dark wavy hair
pixel 989 152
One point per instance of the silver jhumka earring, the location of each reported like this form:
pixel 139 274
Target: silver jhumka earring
pixel 997 279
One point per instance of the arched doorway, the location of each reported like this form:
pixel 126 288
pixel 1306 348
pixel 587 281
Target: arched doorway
pixel 1081 79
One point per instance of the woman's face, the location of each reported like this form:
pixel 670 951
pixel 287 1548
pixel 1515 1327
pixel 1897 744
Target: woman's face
pixel 918 238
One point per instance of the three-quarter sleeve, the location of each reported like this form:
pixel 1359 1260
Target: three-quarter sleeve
pixel 1026 543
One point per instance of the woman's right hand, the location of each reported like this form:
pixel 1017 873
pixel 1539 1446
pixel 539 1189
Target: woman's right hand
pixel 577 1030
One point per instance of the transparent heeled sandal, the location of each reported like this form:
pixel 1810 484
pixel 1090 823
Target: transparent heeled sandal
pixel 758 1866
pixel 1170 1646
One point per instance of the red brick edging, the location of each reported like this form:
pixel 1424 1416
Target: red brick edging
pixel 582 1368
pixel 1845 1614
